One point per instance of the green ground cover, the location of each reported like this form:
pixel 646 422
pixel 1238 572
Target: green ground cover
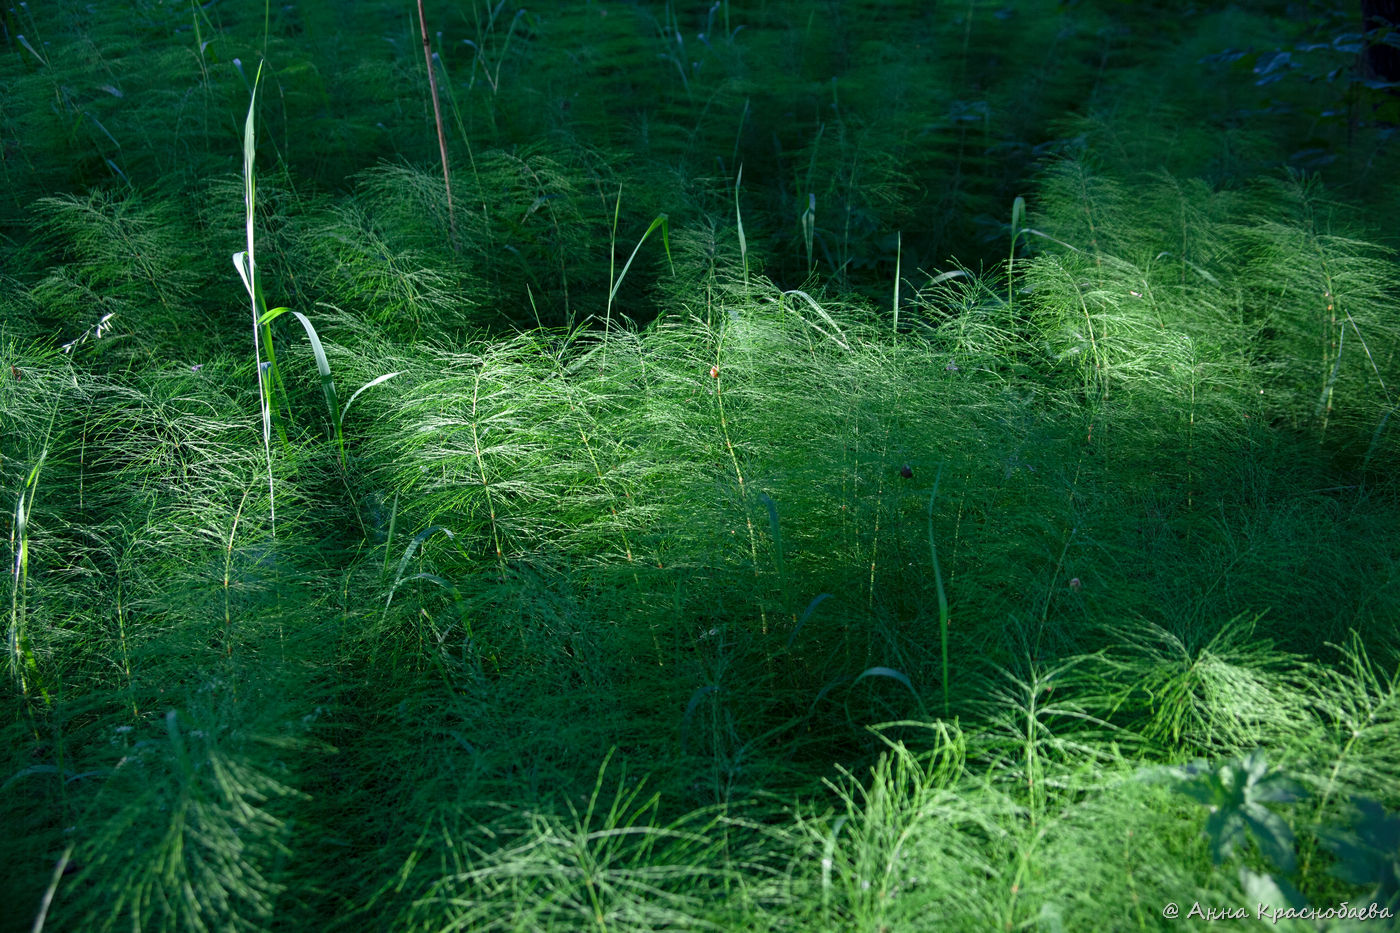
pixel 820 466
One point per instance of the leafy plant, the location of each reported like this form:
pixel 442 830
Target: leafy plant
pixel 1235 793
pixel 1135 438
pixel 1368 852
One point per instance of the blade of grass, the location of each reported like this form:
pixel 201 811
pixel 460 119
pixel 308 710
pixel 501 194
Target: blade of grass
pixel 377 380
pixel 898 259
pixel 775 529
pixel 322 366
pixel 889 673
pixel 408 552
pixel 662 221
pixel 246 264
pixel 942 594
pixel 739 220
pixel 806 614
pixel 23 664
pixel 1018 219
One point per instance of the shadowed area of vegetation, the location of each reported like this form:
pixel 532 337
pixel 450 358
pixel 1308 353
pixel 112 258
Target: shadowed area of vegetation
pixel 820 466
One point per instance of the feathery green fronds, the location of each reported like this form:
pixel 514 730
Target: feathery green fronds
pixel 604 594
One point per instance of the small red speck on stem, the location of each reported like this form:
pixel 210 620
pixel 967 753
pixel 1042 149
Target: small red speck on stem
pixel 714 372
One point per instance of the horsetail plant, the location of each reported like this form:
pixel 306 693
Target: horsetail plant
pixel 214 729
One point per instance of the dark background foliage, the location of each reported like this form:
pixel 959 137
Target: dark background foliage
pixel 976 500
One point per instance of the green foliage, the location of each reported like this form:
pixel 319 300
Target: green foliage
pixel 1368 852
pixel 1323 298
pixel 1235 794
pixel 122 263
pixel 877 861
pixel 1179 690
pixel 193 840
pixel 609 864
pixel 604 593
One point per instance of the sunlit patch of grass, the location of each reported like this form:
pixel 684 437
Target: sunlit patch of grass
pixel 776 572
pixel 606 862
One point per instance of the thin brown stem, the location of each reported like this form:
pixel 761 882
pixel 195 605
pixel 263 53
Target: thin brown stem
pixel 437 117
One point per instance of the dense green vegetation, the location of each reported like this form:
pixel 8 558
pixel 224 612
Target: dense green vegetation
pixel 823 466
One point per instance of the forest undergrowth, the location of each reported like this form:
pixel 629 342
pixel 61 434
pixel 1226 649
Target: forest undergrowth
pixel 789 465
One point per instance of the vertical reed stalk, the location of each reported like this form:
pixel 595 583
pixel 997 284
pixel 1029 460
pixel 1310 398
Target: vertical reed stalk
pixel 739 220
pixel 437 118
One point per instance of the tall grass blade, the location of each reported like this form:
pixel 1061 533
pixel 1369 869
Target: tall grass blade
pixel 377 380
pixel 809 229
pixel 898 259
pixel 323 367
pixel 661 221
pixel 776 530
pixel 898 677
pixel 246 264
pixel 1018 220
pixel 23 664
pixel 409 551
pixel 806 614
pixel 739 221
pixel 942 594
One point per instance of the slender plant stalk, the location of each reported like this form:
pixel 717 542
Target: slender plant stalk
pixel 1330 347
pixel 809 229
pixel 1018 222
pixel 247 266
pixel 389 537
pixel 23 664
pixel 615 277
pixel 942 594
pixel 612 274
pixel 59 868
pixel 228 567
pixel 437 117
pixel 482 475
pixel 875 540
pixel 779 554
pixel 125 651
pixel 739 220
pixel 898 259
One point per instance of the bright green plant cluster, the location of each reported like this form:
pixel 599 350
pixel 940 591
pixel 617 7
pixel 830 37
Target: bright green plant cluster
pixel 661 530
